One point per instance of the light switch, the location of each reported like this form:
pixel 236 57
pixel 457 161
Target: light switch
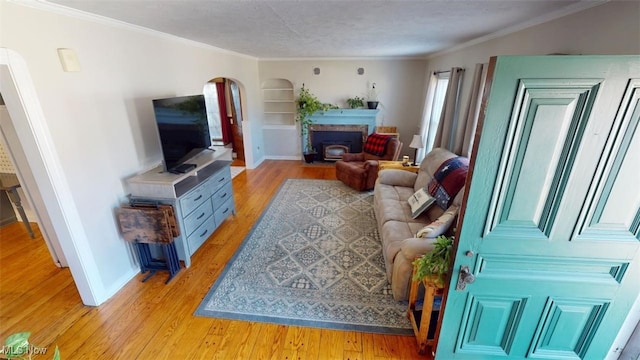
pixel 69 60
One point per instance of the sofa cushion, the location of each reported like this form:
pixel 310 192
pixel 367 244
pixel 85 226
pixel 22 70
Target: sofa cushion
pixel 395 210
pixel 391 201
pixel 397 177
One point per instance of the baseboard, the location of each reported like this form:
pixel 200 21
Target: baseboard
pixel 284 157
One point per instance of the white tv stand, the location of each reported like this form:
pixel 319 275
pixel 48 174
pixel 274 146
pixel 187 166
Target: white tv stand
pixel 202 198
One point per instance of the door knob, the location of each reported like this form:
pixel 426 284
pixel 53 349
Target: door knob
pixel 464 277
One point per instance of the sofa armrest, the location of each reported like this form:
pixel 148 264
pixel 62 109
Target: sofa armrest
pixel 371 164
pixel 412 248
pixel 397 177
pixel 440 225
pixel 353 157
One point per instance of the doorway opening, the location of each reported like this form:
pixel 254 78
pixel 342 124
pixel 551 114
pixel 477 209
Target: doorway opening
pixel 40 173
pixel 224 110
pixel 25 201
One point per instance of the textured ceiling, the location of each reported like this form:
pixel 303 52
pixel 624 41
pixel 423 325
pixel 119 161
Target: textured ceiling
pixel 330 28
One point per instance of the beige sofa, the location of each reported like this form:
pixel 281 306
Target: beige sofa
pixel 396 226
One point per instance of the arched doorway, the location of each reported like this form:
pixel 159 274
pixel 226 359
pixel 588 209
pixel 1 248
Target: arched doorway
pixel 224 110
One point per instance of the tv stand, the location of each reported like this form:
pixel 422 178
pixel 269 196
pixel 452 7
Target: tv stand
pixel 201 197
pixel 183 168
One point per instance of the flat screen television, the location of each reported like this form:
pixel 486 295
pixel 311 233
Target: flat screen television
pixel 184 130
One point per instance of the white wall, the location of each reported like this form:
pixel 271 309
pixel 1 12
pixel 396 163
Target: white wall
pixel 101 120
pixel 400 85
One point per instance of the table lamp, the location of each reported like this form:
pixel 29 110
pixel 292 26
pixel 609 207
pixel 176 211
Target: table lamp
pixel 416 143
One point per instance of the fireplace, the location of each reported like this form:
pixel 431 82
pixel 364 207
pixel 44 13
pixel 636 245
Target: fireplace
pixel 331 141
pixel 334 152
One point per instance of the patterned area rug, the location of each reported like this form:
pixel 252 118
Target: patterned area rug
pixel 314 259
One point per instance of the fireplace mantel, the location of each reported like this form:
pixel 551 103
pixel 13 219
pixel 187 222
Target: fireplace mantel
pixel 347 117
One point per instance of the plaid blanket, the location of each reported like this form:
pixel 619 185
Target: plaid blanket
pixel 377 144
pixel 448 180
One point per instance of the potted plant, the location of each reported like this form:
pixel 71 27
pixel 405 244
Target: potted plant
pixel 355 102
pixel 434 265
pixel 372 99
pixel 306 105
pixel 17 346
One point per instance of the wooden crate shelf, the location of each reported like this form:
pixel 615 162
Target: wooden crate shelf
pixel 423 313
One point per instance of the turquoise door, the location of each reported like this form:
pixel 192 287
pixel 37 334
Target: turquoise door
pixel 549 226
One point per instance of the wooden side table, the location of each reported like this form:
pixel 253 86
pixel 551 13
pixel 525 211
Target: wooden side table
pixel 385 164
pixel 424 315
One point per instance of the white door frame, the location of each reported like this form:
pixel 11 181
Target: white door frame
pixel 27 182
pixel 33 134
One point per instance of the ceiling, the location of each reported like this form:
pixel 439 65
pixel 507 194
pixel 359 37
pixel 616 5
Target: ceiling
pixel 331 28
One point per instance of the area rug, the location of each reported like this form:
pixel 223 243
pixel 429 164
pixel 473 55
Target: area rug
pixel 314 258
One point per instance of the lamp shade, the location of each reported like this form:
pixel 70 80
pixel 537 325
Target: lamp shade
pixel 416 142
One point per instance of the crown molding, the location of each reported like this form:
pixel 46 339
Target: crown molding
pixel 360 58
pixel 572 9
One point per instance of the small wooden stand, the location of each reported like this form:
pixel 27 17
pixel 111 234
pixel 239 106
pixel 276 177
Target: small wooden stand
pixel 423 319
pixel 386 164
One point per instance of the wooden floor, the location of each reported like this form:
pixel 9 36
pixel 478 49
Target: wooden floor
pixel 152 320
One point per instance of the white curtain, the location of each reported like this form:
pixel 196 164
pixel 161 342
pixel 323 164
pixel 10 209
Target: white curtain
pixel 449 127
pixel 458 134
pixel 425 126
pixel 472 113
pixel 453 133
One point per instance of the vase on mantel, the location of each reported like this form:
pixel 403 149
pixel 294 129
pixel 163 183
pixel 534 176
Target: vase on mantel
pixel 372 104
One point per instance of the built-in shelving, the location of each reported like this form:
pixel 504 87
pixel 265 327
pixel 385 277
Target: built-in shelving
pixel 279 102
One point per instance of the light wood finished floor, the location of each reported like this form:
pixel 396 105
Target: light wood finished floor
pixel 154 321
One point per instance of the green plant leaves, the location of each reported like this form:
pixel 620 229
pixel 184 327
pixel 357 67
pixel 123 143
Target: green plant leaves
pixel 435 264
pixel 307 105
pixel 17 345
pixel 355 102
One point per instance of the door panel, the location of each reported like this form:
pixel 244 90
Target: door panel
pixel 536 161
pixel 613 211
pixel 567 329
pixel 491 323
pixel 551 213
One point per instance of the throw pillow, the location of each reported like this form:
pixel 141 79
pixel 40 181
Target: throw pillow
pixel 419 202
pixel 376 144
pixel 448 180
pixel 440 225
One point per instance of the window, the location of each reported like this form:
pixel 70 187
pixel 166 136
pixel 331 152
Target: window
pixel 433 108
